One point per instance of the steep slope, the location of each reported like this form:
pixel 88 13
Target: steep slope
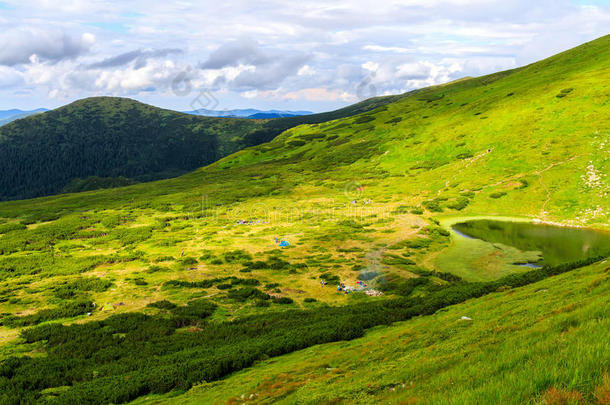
pixel 112 137
pixel 199 287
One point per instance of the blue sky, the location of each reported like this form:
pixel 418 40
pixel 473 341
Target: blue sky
pixel 312 55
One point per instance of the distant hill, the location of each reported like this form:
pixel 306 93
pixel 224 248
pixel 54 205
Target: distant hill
pixel 269 115
pixel 249 113
pixel 7 116
pixel 110 137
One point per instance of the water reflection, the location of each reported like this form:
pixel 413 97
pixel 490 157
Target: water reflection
pixel 557 244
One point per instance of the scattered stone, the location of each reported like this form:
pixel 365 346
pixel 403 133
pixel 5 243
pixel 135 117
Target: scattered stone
pixel 373 293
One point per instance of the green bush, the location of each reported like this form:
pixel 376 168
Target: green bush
pixel 65 310
pixel 164 304
pixel 330 278
pixel 364 119
pixel 237 256
pixel 282 300
pixel 71 289
pixel 245 293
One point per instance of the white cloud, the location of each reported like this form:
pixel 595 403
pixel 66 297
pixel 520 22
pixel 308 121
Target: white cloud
pixel 306 70
pixel 393 49
pixel 18 45
pixel 256 53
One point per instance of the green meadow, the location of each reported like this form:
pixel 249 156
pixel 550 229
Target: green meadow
pixel 180 290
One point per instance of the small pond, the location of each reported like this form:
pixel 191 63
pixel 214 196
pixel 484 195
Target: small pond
pixel 557 244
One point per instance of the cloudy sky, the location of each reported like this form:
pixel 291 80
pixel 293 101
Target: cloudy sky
pixel 312 55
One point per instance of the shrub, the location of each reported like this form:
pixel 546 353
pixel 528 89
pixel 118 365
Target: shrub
pixel 459 204
pixel 188 284
pixel 261 303
pixel 282 300
pixel 164 304
pixel 296 142
pixel 433 205
pixel 245 293
pixel 189 261
pixel 65 310
pixel 13 226
pixel 155 269
pixel 193 312
pixel 330 278
pixel 364 119
pixel 71 289
pixel 237 256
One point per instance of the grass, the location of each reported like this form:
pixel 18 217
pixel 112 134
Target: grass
pixel 362 195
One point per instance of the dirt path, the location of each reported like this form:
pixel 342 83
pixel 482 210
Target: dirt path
pixel 540 173
pixel 469 162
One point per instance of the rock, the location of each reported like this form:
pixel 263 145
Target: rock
pixel 465 318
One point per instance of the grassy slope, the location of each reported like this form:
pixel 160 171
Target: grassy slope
pixel 524 346
pixel 300 185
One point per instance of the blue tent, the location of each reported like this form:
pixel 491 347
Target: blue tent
pixel 284 243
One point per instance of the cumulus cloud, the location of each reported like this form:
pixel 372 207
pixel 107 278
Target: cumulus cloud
pixel 19 45
pixel 235 53
pixel 259 69
pixel 139 56
pixel 310 55
pixel 9 78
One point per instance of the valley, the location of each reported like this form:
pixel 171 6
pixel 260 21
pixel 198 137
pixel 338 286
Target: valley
pixel 322 264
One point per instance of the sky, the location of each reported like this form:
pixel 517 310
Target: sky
pixel 271 54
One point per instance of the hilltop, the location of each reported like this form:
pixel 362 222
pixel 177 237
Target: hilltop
pixel 164 286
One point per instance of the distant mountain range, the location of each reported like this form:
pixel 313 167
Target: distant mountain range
pixel 7 116
pixel 249 113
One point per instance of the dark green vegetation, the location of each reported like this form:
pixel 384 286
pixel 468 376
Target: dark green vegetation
pixel 106 142
pixel 129 355
pixel 191 283
pixel 557 244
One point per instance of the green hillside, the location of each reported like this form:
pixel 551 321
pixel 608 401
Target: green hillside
pixel 542 344
pixel 150 289
pixel 98 140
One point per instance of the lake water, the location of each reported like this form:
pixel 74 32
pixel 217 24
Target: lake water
pixel 557 244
